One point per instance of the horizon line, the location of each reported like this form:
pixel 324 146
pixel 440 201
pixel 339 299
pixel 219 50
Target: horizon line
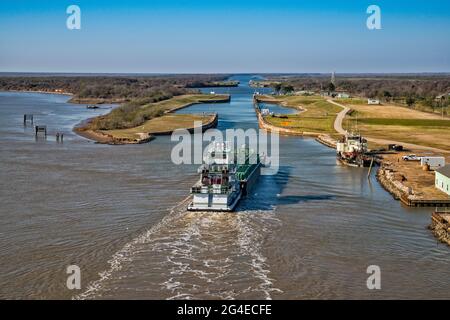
pixel 227 73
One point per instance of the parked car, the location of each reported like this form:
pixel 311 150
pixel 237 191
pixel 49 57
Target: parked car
pixel 411 157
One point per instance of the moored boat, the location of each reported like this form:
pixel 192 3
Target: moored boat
pixel 352 151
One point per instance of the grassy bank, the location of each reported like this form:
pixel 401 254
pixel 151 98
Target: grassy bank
pixel 317 115
pixel 134 122
pixel 134 114
pixel 418 91
pixel 164 124
pixel 397 123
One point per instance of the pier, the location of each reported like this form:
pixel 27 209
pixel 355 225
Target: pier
pixel 425 203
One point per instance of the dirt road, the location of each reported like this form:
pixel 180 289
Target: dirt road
pixel 338 127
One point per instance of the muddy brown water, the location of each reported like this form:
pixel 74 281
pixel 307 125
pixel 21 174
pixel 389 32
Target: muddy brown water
pixel 118 212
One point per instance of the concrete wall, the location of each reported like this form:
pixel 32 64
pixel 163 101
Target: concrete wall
pixel 443 183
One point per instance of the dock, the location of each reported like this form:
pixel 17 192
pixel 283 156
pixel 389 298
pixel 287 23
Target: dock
pixel 425 203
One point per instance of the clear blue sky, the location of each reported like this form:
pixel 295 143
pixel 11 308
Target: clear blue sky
pixel 229 36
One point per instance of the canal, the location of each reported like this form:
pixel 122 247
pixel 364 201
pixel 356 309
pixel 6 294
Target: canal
pixel 118 212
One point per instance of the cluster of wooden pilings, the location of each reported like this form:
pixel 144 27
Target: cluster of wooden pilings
pixel 40 130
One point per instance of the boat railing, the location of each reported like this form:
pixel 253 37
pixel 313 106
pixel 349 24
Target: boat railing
pixel 210 189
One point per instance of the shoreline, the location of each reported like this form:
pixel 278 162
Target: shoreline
pixel 418 193
pixel 272 128
pixel 104 138
pixel 71 96
pixel 41 91
pixel 440 226
pixel 190 104
pixel 406 182
pixel 205 126
pixel 390 174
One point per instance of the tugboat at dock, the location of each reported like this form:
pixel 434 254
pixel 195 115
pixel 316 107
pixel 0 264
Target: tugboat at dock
pixel 226 177
pixel 352 151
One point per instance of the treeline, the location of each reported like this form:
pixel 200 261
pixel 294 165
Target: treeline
pixel 412 90
pixel 128 115
pixel 140 89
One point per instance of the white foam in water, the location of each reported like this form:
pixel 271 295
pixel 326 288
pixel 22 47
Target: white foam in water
pixel 251 244
pixel 125 254
pixel 200 255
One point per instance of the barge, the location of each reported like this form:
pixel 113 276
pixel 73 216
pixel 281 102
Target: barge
pixel 225 177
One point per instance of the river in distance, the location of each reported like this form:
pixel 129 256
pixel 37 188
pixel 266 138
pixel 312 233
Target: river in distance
pixel 118 212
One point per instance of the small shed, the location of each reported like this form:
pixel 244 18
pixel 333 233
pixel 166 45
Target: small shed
pixel 343 95
pixel 442 177
pixel 373 101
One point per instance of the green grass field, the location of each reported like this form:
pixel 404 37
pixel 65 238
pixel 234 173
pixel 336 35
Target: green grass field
pixel 318 117
pixel 399 123
pixel 132 115
pixel 168 122
pixel 405 122
pixel 354 101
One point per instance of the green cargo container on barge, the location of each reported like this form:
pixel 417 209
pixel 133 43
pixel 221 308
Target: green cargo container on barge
pixel 225 177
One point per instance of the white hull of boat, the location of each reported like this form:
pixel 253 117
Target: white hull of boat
pixel 207 206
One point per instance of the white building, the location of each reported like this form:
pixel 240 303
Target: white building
pixel 304 93
pixel 343 95
pixel 373 101
pixel 442 177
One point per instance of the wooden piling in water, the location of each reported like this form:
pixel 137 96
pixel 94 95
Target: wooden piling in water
pixel 41 129
pixel 28 117
pixel 370 168
pixel 59 136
